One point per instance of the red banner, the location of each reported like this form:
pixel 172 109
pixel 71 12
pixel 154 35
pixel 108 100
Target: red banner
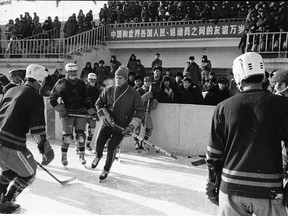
pixel 182 31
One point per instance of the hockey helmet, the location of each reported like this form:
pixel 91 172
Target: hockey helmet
pixel 279 75
pixel 247 65
pixel 71 67
pixel 37 72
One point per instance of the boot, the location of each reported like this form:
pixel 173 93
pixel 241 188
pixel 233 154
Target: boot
pixel 64 159
pixel 137 145
pixel 95 162
pixel 103 175
pixel 9 208
pixel 82 159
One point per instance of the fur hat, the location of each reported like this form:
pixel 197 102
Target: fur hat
pixel 138 78
pixel 191 58
pixel 166 78
pixel 122 71
pixel 147 79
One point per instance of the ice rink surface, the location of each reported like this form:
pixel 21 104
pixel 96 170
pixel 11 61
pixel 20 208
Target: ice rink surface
pixel 138 184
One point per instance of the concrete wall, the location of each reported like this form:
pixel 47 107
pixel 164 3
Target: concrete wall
pixel 178 128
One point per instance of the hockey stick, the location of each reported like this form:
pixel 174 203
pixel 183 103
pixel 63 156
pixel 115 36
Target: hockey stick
pixel 198 162
pixel 61 182
pixel 147 142
pixel 83 116
pixel 146 119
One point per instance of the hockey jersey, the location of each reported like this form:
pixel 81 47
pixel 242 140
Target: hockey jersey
pixel 246 134
pixel 21 111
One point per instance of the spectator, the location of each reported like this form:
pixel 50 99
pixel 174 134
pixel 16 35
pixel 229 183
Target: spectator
pixel 194 70
pixel 81 18
pixel 139 69
pixel 211 82
pixel 88 19
pixel 131 78
pixel 157 61
pixel 37 29
pixel 115 64
pixel 35 18
pixel 69 28
pixel 218 93
pixel 206 68
pixel 103 14
pixel 56 25
pixel 9 29
pixel 131 62
pixel 15 80
pixel 95 67
pixel 190 93
pixel 102 73
pixel 157 78
pixel 85 71
pixel 178 79
pixel 242 43
pixel 138 82
pixel 166 93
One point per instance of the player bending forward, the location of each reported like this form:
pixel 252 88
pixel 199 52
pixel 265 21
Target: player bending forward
pixel 21 111
pixel 75 101
pixel 119 104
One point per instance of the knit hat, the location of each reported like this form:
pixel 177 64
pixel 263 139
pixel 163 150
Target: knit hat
pixel 122 71
pixel 71 67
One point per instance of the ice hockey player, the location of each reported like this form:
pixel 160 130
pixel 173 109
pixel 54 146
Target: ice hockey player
pixel 15 80
pixel 119 104
pixel 21 112
pixel 76 100
pixel 279 82
pixel 150 101
pixel 93 92
pixel 244 155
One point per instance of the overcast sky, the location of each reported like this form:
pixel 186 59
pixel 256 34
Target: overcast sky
pixel 48 8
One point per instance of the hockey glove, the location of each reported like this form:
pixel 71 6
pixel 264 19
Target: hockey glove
pixel 135 123
pixel 46 151
pixel 106 118
pixel 63 112
pixel 91 111
pixel 213 185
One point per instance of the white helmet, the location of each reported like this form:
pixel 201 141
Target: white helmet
pixel 37 72
pixel 71 67
pixel 92 76
pixel 247 65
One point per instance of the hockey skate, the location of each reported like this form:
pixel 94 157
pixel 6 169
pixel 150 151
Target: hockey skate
pixel 64 159
pixel 137 146
pixel 88 147
pixel 95 162
pixel 9 208
pixel 103 175
pixel 82 159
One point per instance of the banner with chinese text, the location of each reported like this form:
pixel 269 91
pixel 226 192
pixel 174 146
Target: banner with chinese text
pixel 184 31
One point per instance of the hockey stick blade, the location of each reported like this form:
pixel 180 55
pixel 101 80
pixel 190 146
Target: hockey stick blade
pixel 61 182
pixel 198 162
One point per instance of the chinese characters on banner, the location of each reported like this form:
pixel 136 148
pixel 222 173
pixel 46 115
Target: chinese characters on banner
pixel 185 31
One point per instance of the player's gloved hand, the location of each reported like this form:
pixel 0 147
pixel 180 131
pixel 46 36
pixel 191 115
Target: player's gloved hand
pixel 135 122
pixel 106 118
pixel 91 111
pixel 212 193
pixel 63 112
pixel 147 96
pixel 47 152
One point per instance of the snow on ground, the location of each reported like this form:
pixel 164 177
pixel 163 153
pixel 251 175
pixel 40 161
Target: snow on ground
pixel 138 184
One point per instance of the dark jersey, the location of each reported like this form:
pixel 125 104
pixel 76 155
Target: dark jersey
pixel 21 111
pixel 93 92
pixel 246 134
pixel 73 94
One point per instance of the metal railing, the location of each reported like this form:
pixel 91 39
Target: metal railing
pixel 270 44
pixel 140 24
pixel 53 47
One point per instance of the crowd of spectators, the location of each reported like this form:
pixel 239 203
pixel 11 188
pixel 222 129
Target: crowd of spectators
pixel 181 87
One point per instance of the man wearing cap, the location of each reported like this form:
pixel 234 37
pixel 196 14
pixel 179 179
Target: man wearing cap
pixel 115 64
pixel 157 78
pixel 194 70
pixel 75 100
pixel 218 93
pixel 119 104
pixel 206 68
pixel 138 82
pixel 139 68
pixel 157 61
pixel 102 73
pixel 15 80
pixel 93 93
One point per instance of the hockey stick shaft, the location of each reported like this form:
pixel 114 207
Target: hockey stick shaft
pixel 61 182
pixel 147 142
pixel 82 116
